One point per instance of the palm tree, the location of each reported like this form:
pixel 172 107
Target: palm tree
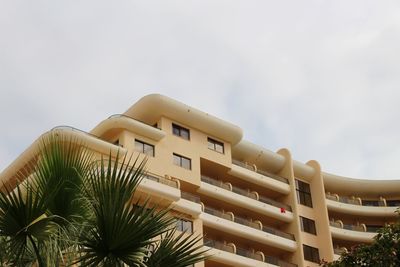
pixel 72 209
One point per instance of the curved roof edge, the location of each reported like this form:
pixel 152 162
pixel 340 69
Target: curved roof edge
pixel 251 152
pixel 115 122
pixel 272 160
pixel 151 107
pixel 93 142
pixel 368 187
pixel 332 182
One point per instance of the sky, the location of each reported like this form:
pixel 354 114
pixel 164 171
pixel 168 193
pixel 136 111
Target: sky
pixel 320 78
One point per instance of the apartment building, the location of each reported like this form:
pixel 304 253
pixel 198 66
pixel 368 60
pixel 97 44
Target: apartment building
pixel 254 207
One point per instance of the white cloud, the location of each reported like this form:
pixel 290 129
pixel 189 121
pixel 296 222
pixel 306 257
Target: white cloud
pixel 317 77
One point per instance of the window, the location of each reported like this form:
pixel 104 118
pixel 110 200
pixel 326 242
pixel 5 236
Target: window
pixel 303 193
pixel 182 161
pixel 144 148
pixel 311 254
pixel 180 131
pixel 215 145
pixel 307 225
pixel 184 225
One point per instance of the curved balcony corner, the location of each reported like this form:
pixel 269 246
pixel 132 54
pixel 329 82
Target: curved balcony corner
pixel 227 222
pixel 188 207
pixel 359 210
pixel 352 233
pixel 160 187
pixel 120 121
pixel 263 205
pixel 260 178
pixel 228 253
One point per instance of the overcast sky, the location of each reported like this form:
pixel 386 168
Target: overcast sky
pixel 321 78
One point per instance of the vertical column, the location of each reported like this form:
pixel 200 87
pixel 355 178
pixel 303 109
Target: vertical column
pixel 324 237
pixel 293 227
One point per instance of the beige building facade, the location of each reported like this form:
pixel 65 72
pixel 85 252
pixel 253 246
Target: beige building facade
pixel 253 206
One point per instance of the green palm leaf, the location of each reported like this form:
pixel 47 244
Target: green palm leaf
pixel 176 250
pixel 62 164
pixel 70 209
pixel 121 232
pixel 23 220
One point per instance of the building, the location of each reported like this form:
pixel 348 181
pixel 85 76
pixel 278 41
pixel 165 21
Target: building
pixel 255 207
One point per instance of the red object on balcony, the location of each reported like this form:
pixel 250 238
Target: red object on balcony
pixel 283 210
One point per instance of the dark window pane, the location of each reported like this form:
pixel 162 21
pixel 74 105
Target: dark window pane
pixel 144 148
pixel 184 225
pixel 185 134
pixel 182 161
pixel 308 225
pixel 311 254
pixel 187 226
pixel 303 193
pixel 177 160
pixel 219 148
pixel 215 145
pixel 211 145
pixel 176 131
pixel 302 186
pixel 138 146
pixel 180 131
pixel 186 163
pixel 148 150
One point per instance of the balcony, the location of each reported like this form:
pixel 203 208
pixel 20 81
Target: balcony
pixel 92 141
pixel 357 206
pixel 160 186
pixel 245 198
pixel 155 185
pixel 251 174
pixel 125 116
pixel 265 173
pixel 351 232
pixel 120 121
pixel 188 204
pixel 191 197
pixel 243 258
pixel 162 180
pixel 249 229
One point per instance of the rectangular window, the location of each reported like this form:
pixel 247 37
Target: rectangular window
pixel 303 193
pixel 311 254
pixel 308 225
pixel 144 148
pixel 215 145
pixel 184 225
pixel 182 161
pixel 180 131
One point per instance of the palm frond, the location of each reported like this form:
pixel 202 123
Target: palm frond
pixel 23 219
pixel 176 250
pixel 62 164
pixel 120 232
